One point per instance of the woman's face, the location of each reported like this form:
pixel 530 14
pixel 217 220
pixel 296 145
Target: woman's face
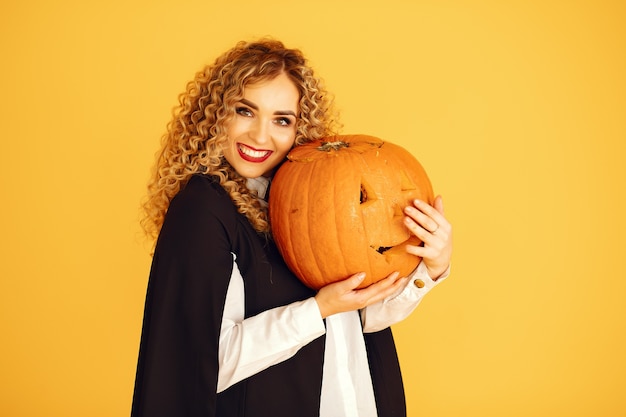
pixel 263 128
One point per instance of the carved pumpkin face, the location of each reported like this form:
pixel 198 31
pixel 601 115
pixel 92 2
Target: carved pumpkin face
pixel 336 208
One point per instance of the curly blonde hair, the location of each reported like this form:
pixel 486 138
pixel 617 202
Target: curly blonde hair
pixel 195 135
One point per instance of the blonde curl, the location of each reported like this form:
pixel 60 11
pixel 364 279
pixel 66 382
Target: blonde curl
pixel 195 135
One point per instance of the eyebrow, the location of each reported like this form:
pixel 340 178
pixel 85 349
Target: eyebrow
pixel 277 112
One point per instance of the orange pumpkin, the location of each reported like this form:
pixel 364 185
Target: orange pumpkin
pixel 336 208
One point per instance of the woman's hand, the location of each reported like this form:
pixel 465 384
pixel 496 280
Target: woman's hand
pixel 342 296
pixel 431 227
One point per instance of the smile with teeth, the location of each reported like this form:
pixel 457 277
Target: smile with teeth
pixel 251 154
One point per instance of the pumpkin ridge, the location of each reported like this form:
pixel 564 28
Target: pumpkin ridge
pixel 283 192
pixel 310 236
pixel 287 195
pixel 344 202
pixel 371 199
pixel 305 239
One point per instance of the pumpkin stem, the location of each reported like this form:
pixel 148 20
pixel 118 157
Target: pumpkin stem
pixel 333 146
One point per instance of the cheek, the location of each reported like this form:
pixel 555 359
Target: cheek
pixel 283 142
pixel 228 146
pixel 234 128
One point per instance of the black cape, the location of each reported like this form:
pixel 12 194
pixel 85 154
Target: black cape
pixel 178 355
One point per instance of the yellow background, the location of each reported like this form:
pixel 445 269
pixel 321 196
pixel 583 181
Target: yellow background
pixel 516 109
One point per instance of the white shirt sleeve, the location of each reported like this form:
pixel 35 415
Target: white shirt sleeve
pixel 399 306
pixel 248 346
pixel 347 388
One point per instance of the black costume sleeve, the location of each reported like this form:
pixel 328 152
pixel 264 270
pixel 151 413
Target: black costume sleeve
pixel 386 374
pixel 178 362
pixel 178 357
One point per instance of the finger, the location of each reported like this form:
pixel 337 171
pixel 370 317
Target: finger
pixel 392 285
pixel 425 252
pixel 352 282
pixel 416 217
pixel 394 288
pixel 437 223
pixel 380 289
pixel 387 281
pixel 416 225
pixel 435 212
pixel 438 204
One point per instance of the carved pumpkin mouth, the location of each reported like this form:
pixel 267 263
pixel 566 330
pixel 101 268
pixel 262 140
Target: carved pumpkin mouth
pixel 397 249
pixel 382 249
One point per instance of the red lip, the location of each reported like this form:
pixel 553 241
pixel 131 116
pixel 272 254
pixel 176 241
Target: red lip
pixel 252 155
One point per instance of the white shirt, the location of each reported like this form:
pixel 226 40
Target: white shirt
pixel 248 346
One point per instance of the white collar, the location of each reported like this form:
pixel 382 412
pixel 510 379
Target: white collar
pixel 260 185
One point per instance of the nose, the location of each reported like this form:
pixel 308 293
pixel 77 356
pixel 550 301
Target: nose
pixel 260 131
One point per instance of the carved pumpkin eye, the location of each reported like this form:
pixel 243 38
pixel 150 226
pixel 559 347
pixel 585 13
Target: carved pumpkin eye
pixel 367 193
pixel 363 196
pixel 407 184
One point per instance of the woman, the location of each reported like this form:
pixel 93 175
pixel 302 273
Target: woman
pixel 228 330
